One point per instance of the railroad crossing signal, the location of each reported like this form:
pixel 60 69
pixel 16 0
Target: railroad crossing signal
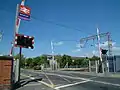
pixel 24 41
pixel 104 51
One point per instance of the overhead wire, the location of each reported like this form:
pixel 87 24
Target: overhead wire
pixel 61 25
pixel 58 24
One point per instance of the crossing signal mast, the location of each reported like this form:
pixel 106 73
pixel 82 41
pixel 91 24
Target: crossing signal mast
pixel 22 41
pixel 83 41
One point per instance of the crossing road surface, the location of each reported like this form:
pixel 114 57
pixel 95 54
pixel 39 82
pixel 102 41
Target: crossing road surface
pixel 61 80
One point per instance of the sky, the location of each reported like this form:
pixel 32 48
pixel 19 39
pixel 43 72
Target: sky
pixel 64 22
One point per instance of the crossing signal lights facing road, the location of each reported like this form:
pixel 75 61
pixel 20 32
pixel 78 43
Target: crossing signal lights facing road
pixel 24 41
pixel 104 51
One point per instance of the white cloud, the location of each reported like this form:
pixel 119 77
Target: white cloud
pixel 105 44
pixel 77 50
pixel 94 52
pixel 79 45
pixel 115 49
pixel 88 55
pixel 58 43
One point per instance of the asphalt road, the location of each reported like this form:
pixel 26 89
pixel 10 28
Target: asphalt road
pixel 66 81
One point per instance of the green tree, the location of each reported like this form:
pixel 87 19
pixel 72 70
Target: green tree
pixel 79 61
pixel 58 58
pixel 44 60
pixel 65 59
pixel 29 62
pixel 85 62
pixel 94 58
pixel 36 61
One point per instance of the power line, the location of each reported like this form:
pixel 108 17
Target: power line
pixel 1 35
pixel 70 40
pixel 61 25
pixel 57 24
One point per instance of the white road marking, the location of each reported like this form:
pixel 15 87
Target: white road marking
pixel 66 79
pixel 25 75
pixel 88 79
pixel 85 80
pixel 32 78
pixel 63 86
pixel 48 79
pixel 33 84
pixel 118 85
pixel 49 85
pixel 67 76
pixel 93 77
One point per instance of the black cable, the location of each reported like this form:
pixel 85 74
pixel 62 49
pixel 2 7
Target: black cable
pixel 70 40
pixel 61 25
pixel 51 22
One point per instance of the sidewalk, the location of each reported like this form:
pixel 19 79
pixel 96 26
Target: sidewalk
pixel 116 75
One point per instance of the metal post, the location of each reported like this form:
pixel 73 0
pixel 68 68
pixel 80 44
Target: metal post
pixel 52 48
pixel 16 69
pixel 114 63
pixel 98 35
pixel 108 66
pixel 17 24
pixel 89 66
pixel 56 64
pixel 25 64
pixel 16 16
pixel 96 64
pixel 19 63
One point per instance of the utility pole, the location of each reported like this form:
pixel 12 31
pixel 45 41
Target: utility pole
pixel 52 48
pixel 89 66
pixel 19 63
pixel 96 65
pixel 109 45
pixel 98 39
